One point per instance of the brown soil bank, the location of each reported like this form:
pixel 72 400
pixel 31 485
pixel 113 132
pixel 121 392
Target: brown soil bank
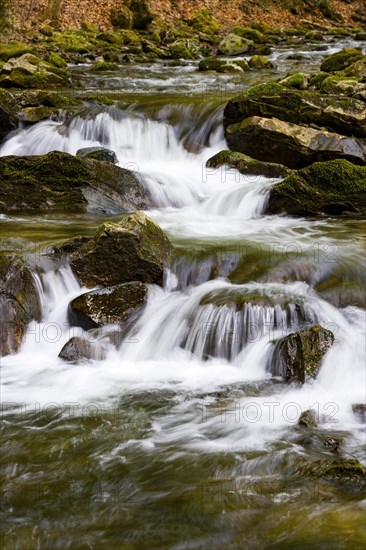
pixel 276 13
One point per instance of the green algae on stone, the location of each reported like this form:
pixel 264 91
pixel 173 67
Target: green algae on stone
pixel 340 60
pixel 104 66
pixel 298 80
pixel 324 188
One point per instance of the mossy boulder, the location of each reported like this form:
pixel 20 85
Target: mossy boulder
pixel 298 356
pixel 324 188
pixel 59 182
pixel 248 165
pixel 78 349
pixel 57 60
pixel 29 71
pixel 260 62
pixel 8 113
pixel 141 12
pixel 104 66
pixel 251 34
pixel 344 115
pixel 339 85
pixel 134 249
pixel 179 50
pixel 300 81
pixel 340 60
pixel 295 146
pixel 357 70
pixel 223 66
pixel 98 153
pixel 14 49
pixel 308 419
pixel 204 22
pixel 109 305
pixel 345 471
pixel 19 302
pixel 232 44
pixel 121 17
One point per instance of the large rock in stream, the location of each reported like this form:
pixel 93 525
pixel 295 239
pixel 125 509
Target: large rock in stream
pixel 298 356
pixel 134 249
pixel 324 188
pixel 59 182
pixel 107 305
pixel 19 302
pixel 295 146
pixel 344 115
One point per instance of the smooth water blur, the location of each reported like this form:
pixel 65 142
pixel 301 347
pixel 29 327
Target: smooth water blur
pixel 182 437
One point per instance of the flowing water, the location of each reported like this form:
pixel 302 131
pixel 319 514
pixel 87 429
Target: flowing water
pixel 185 436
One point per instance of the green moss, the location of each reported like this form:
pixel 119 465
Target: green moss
pixel 46 30
pixel 296 80
pixel 178 50
pixel 317 79
pixel 99 98
pixel 130 37
pixel 14 49
pixel 57 60
pixel 338 84
pixel 88 27
pixel 338 31
pixel 104 66
pixel 340 60
pixel 260 62
pixel 348 471
pixel 267 89
pixel 251 34
pixel 203 21
pixel 121 17
pixel 110 37
pixel 314 36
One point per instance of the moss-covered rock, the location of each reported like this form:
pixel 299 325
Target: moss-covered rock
pixel 179 50
pixel 8 113
pixel 357 69
pixel 223 66
pixel 325 188
pixel 109 305
pixel 142 13
pixel 344 115
pixel 300 81
pixel 121 17
pixel 340 60
pixel 345 471
pixel 57 60
pixel 248 165
pixel 339 85
pixel 64 183
pixel 298 356
pixel 295 146
pixel 78 349
pixel 98 153
pixel 19 302
pixel 14 49
pixel 251 34
pixel 104 66
pixel 203 21
pixel 232 44
pixel 29 71
pixel 134 249
pixel 260 62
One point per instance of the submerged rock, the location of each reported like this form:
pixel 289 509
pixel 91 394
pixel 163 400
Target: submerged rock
pixel 324 188
pixel 77 349
pixel 295 146
pixel 65 183
pixel 134 249
pixel 298 356
pixel 98 153
pixel 347 471
pixel 248 165
pixel 19 302
pixel 107 306
pixel 344 115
